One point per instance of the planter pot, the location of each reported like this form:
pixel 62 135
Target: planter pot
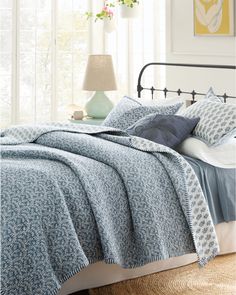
pixel 129 12
pixel 109 25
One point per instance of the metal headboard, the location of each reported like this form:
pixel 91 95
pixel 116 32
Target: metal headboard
pixel 140 88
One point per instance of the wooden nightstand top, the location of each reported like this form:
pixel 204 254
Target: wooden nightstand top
pixel 87 120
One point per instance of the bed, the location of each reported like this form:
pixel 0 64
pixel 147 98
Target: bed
pixel 71 201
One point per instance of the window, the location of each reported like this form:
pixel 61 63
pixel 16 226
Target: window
pixel 44 48
pixel 43 54
pixel 137 42
pixel 5 60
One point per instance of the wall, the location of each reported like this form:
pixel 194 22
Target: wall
pixel 183 46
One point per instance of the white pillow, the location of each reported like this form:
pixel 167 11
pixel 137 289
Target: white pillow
pixel 223 156
pixel 164 101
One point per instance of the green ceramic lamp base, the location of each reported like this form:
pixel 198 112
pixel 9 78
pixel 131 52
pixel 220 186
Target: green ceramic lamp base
pixel 99 105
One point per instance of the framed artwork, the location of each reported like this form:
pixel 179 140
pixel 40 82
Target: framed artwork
pixel 214 17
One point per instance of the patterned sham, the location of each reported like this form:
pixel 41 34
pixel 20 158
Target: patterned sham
pixel 169 130
pixel 217 121
pixel 129 111
pixel 212 97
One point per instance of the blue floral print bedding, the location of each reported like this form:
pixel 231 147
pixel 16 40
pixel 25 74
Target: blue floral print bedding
pixel 75 195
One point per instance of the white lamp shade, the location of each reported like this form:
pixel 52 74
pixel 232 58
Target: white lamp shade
pixel 99 74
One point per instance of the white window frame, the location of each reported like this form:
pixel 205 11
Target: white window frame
pixel 54 60
pixel 15 63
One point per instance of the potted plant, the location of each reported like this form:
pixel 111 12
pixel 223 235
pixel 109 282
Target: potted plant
pixel 129 8
pixel 106 15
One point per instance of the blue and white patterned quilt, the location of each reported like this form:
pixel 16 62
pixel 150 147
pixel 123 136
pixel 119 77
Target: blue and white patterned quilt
pixel 74 195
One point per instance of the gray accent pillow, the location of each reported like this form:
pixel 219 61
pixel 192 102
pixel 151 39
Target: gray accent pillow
pixel 128 111
pixel 217 121
pixel 169 130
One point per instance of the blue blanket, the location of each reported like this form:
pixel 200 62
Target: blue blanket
pixel 218 185
pixel 70 199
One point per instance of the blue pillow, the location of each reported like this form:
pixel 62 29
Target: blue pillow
pixel 128 111
pixel 168 130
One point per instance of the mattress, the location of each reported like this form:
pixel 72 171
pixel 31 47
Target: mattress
pixel 100 274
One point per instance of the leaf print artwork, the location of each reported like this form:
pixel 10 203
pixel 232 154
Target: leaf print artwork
pixel 213 17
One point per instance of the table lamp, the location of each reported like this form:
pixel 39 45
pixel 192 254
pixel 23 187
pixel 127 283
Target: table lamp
pixel 99 77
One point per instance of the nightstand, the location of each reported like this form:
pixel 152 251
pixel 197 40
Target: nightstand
pixel 87 120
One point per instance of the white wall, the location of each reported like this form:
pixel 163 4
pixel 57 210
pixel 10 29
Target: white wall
pixel 183 46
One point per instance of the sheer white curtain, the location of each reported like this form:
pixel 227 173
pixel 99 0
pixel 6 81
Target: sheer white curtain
pixel 43 54
pixel 44 49
pixel 135 43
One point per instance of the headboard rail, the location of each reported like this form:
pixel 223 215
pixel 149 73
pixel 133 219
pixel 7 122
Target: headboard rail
pixel 193 93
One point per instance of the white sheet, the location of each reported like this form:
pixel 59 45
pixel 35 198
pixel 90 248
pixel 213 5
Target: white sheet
pixel 223 156
pixel 100 274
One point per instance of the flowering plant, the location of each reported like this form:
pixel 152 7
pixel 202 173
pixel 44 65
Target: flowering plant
pixel 105 13
pixel 129 3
